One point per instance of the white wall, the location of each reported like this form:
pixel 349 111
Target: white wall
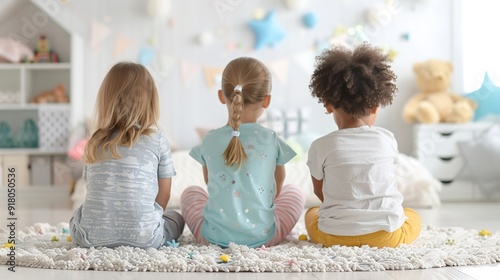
pixel 186 106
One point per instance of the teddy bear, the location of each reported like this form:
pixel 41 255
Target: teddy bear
pixel 434 103
pixel 56 95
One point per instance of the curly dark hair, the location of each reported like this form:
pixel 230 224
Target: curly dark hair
pixel 353 80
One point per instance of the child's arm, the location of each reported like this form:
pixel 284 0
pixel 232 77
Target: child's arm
pixel 318 188
pixel 163 196
pixel 279 176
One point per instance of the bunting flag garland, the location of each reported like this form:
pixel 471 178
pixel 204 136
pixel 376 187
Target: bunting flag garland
pixel 213 76
pixel 280 69
pixel 188 71
pixel 99 32
pixel 121 44
pixel 305 60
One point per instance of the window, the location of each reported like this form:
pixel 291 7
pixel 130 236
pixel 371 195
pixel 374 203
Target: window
pixel 479 40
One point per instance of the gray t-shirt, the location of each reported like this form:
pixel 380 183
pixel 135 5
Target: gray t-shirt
pixel 120 207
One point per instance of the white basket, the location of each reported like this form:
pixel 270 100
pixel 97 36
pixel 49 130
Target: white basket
pixel 10 97
pixel 53 128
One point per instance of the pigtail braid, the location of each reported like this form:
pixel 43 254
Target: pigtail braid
pixel 235 154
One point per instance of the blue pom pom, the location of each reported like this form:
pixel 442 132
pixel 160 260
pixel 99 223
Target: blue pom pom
pixel 310 20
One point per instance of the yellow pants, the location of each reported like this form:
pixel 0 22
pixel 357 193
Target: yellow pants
pixel 406 234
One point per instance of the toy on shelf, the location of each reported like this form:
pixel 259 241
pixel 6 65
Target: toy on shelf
pixel 434 103
pixel 14 51
pixel 28 136
pixel 43 53
pixel 6 139
pixel 56 95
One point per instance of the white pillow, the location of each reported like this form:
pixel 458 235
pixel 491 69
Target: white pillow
pixel 482 158
pixel 417 185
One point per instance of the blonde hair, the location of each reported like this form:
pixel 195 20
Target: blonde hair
pixel 255 81
pixel 126 107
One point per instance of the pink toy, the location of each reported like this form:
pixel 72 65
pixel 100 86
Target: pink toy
pixel 76 152
pixel 14 51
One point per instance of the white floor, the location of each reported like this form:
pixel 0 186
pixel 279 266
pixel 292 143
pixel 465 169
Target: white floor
pixel 53 206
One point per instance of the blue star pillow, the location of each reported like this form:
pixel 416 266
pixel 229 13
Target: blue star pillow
pixel 487 98
pixel 482 158
pixel 267 31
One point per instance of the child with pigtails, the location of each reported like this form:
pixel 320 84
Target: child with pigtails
pixel 243 166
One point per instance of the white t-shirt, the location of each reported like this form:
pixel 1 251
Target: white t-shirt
pixel 359 190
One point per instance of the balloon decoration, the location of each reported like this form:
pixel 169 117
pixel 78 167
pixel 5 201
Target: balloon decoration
pixel 205 38
pixel 296 5
pixel 159 8
pixel 487 98
pixel 310 20
pixel 267 31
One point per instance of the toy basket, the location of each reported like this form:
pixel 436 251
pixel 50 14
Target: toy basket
pixel 53 128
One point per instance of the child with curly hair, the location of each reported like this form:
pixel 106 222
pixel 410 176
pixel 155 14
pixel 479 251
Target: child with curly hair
pixel 352 169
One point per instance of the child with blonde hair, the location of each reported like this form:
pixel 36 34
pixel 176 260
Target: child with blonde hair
pixel 243 166
pixel 352 168
pixel 128 168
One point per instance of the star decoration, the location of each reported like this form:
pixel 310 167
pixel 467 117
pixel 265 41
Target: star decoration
pixel 172 243
pixel 191 254
pixel 250 147
pixel 262 248
pixel 267 31
pixel 236 194
pixel 247 210
pixel 221 210
pixel 292 262
pixel 487 98
pixel 485 232
pixel 9 245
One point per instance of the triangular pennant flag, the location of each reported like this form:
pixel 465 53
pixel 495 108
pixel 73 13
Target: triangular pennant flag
pixel 121 44
pixel 213 76
pixel 165 64
pixel 147 55
pixel 305 60
pixel 99 32
pixel 280 69
pixel 188 71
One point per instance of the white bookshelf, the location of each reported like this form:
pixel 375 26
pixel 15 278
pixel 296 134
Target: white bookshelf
pixel 27 80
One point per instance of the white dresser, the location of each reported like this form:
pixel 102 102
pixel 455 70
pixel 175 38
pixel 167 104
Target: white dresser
pixel 435 145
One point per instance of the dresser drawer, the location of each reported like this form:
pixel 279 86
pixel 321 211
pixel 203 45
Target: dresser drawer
pixel 444 168
pixel 441 143
pixel 458 190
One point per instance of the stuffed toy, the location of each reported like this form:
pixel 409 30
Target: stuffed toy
pixel 56 95
pixel 434 103
pixel 43 53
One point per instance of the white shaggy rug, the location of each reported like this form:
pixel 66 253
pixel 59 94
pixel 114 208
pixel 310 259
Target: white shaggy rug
pixel 436 247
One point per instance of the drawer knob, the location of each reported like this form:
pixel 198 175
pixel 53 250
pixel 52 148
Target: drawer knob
pixel 445 158
pixel 446 134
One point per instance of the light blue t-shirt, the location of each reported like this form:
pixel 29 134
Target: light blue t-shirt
pixel 120 206
pixel 240 205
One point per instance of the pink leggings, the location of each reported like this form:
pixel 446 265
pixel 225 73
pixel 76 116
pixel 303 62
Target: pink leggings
pixel 289 206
